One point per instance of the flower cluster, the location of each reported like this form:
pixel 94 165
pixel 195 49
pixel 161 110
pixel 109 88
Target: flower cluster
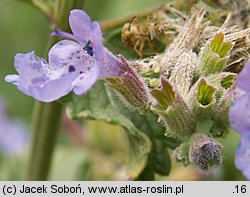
pixel 240 120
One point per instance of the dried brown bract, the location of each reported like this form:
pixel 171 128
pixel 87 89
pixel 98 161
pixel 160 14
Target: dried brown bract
pixel 141 33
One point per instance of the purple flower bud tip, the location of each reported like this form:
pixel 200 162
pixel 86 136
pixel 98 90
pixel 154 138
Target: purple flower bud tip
pixel 205 151
pixel 242 159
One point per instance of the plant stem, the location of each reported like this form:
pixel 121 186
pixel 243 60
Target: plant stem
pixel 47 116
pixel 46 125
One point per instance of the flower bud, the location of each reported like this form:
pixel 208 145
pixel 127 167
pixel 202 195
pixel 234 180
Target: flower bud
pixel 130 88
pixel 204 151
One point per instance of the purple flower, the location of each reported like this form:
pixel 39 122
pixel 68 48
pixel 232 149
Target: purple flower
pixel 13 138
pixel 240 119
pixel 72 65
pixel 242 159
pixel 240 110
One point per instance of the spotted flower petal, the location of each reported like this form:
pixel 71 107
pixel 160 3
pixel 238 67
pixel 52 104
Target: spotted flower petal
pixel 69 64
pixel 242 160
pixel 87 33
pixel 72 65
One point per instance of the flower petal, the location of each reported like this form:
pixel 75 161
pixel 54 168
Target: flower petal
pixel 80 24
pixel 86 80
pixel 63 34
pixel 243 80
pixel 97 41
pixel 52 89
pixel 240 114
pixel 242 159
pixel 70 67
pixel 31 71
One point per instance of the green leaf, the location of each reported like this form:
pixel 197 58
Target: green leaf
pixel 148 145
pixel 96 105
pixel 159 159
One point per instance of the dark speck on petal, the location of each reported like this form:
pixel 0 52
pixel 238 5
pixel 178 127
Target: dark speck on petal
pixel 89 50
pixel 72 68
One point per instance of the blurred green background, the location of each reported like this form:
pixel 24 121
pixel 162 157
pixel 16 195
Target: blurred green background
pixel 94 150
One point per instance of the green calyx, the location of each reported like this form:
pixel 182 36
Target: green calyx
pixel 164 96
pixel 205 93
pixel 130 88
pixel 213 57
pixel 219 47
pixel 173 111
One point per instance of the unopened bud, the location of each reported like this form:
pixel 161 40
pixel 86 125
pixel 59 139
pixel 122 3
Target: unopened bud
pixel 204 151
pixel 130 87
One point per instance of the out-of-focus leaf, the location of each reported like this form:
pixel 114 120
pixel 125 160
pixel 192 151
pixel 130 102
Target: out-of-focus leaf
pixel 159 159
pixel 148 145
pixel 96 105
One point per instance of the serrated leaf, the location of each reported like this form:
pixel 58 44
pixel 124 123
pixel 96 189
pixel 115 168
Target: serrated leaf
pixel 96 105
